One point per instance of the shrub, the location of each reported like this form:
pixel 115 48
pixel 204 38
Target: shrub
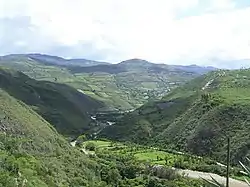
pixel 90 146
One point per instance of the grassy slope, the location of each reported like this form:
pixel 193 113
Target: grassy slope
pixel 33 152
pixel 66 108
pixel 19 120
pixel 194 119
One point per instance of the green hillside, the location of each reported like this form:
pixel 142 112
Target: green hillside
pixel 196 117
pixel 18 120
pixel 64 107
pixel 32 153
pixel 124 86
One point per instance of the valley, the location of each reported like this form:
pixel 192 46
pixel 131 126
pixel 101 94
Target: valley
pixel 134 123
pixel 120 93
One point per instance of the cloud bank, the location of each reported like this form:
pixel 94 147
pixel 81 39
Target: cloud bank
pixel 203 32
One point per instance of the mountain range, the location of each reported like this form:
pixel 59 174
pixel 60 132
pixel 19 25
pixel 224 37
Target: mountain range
pixel 123 86
pixel 51 60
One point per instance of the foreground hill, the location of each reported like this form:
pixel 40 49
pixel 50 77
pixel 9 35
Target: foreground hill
pixel 126 85
pixel 196 117
pixel 63 106
pixel 34 154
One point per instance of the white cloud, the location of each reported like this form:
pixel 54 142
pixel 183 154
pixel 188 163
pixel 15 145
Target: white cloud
pixel 222 4
pixel 149 29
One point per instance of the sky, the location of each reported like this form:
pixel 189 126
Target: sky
pixel 202 32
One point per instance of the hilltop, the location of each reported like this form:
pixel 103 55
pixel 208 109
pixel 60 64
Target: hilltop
pixel 146 65
pixel 63 106
pixel 123 86
pixel 196 117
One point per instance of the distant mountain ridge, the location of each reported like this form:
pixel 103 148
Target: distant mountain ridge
pixel 56 60
pixel 124 86
pixel 53 60
pixel 141 65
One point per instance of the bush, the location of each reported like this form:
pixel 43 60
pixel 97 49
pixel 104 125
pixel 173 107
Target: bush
pixel 90 146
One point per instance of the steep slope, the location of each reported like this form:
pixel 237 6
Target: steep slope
pixel 124 86
pixel 34 154
pixel 18 120
pixel 196 117
pixel 64 107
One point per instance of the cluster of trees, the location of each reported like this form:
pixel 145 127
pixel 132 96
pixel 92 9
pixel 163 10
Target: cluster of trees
pixel 122 170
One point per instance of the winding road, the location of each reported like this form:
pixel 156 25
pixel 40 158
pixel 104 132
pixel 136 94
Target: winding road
pixel 207 176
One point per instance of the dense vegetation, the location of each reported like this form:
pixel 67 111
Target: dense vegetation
pixel 32 152
pixel 61 105
pixel 157 157
pixel 196 117
pixel 128 165
pixel 123 86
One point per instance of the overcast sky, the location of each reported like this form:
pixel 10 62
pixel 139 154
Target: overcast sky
pixel 203 32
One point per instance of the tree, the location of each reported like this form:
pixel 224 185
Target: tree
pixel 114 176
